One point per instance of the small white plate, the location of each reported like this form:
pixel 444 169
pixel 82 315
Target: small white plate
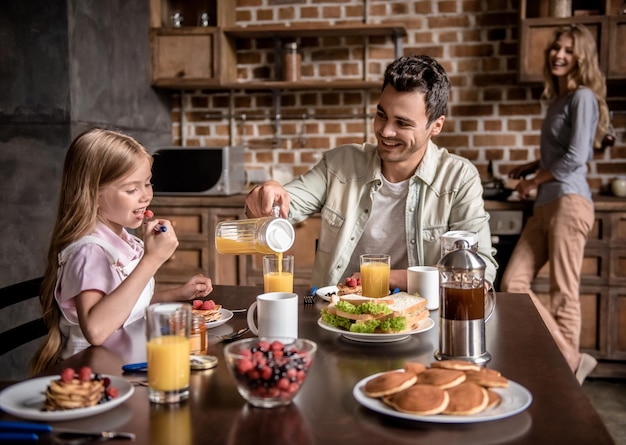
pixel 423 326
pixel 25 399
pixel 226 315
pixel 325 292
pixel 515 399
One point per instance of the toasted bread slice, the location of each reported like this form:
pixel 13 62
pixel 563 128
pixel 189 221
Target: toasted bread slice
pixel 344 289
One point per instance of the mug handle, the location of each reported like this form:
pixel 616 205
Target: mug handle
pixel 490 300
pixel 250 317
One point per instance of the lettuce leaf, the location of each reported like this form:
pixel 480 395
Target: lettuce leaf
pixel 369 307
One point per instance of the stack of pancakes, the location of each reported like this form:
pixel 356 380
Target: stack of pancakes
pixel 211 314
pixel 452 387
pixel 62 395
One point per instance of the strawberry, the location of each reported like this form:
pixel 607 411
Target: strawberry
pixel 208 305
pixel 67 375
pixel 197 304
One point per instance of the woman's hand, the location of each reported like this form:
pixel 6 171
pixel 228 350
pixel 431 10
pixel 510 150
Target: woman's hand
pixel 523 170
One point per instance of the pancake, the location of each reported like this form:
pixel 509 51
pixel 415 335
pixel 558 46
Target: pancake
pixel 389 383
pixel 466 398
pixel 423 400
pixel 442 378
pixel 461 365
pixel 487 378
pixel 414 367
pixel 62 395
pixel 494 399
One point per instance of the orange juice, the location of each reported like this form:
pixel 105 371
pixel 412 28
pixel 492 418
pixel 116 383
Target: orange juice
pixel 278 282
pixel 168 363
pixel 239 246
pixel 375 279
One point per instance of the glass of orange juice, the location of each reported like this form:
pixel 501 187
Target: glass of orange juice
pixel 375 270
pixel 167 335
pixel 278 273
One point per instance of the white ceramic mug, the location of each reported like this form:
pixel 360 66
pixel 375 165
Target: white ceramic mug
pixel 277 314
pixel 425 281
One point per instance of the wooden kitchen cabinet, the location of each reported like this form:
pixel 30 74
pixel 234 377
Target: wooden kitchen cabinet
pixel 603 285
pixel 195 219
pixel 191 55
pixel 601 17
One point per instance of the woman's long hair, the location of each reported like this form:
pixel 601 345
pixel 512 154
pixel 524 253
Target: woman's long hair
pixel 586 73
pixel 95 158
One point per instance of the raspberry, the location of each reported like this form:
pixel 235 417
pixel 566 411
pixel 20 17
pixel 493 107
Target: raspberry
pixel 358 281
pixel 208 305
pixel 84 374
pixel 197 304
pixel 112 392
pixel 67 375
pixel 244 365
pixel 148 214
pixel 277 346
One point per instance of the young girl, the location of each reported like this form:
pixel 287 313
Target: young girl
pixel 576 120
pixel 99 277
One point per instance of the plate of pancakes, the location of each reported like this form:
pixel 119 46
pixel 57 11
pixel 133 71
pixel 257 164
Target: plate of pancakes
pixel 449 391
pixel 423 326
pixel 223 316
pixel 26 400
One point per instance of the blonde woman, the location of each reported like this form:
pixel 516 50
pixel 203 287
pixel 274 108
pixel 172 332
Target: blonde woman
pixel 99 277
pixel 577 118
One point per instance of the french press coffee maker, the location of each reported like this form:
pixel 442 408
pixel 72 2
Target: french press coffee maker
pixel 463 303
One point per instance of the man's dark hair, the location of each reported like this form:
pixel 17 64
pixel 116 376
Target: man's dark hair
pixel 424 75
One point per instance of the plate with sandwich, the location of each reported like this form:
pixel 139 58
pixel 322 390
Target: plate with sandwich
pixel 376 320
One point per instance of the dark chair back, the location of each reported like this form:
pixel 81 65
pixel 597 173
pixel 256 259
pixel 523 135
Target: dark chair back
pixel 29 331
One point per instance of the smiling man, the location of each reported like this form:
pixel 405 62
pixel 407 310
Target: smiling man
pixel 396 197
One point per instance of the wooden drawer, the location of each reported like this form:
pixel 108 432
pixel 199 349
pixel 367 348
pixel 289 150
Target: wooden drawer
pixel 190 223
pixel 617 323
pixel 190 258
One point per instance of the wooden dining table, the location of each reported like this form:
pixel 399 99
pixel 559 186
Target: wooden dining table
pixel 325 411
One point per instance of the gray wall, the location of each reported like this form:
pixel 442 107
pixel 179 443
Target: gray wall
pixel 65 66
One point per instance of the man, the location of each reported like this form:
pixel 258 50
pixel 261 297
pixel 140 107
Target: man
pixel 396 197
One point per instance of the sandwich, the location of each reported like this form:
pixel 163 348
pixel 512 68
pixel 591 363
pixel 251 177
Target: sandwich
pixel 396 313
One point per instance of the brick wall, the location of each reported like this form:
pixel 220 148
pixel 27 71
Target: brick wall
pixel 492 116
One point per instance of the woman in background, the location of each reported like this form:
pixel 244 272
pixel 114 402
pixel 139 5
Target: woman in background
pixel 99 277
pixel 563 214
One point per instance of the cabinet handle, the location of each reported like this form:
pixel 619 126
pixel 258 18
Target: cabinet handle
pixel 180 74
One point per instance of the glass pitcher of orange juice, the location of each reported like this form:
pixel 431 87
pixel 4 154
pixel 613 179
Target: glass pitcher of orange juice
pixel 270 234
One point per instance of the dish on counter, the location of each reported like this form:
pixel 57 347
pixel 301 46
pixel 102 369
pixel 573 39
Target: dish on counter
pixel 226 315
pixel 423 326
pixel 515 399
pixel 325 292
pixel 25 400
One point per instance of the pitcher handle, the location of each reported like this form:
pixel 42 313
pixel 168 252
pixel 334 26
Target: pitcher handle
pixel 490 300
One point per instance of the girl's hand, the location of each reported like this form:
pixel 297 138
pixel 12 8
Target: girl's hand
pixel 198 286
pixel 159 245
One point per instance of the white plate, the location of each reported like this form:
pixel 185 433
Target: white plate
pixel 515 399
pixel 25 399
pixel 323 291
pixel 423 326
pixel 226 315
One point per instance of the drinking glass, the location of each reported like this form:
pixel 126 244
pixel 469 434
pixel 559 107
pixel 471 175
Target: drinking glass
pixel 375 270
pixel 278 273
pixel 167 334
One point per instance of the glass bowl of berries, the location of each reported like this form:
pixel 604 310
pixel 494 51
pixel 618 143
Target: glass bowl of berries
pixel 269 372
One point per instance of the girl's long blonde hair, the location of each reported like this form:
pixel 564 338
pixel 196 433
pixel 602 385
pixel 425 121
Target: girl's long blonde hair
pixel 95 158
pixel 586 73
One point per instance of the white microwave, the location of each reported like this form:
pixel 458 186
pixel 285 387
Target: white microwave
pixel 198 171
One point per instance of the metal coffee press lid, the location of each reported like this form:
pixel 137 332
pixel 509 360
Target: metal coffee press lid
pixel 462 258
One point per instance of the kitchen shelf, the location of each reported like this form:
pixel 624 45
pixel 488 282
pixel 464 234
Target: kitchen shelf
pixel 316 30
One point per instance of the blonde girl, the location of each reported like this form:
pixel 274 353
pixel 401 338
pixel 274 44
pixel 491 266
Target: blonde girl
pixel 99 277
pixel 577 118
